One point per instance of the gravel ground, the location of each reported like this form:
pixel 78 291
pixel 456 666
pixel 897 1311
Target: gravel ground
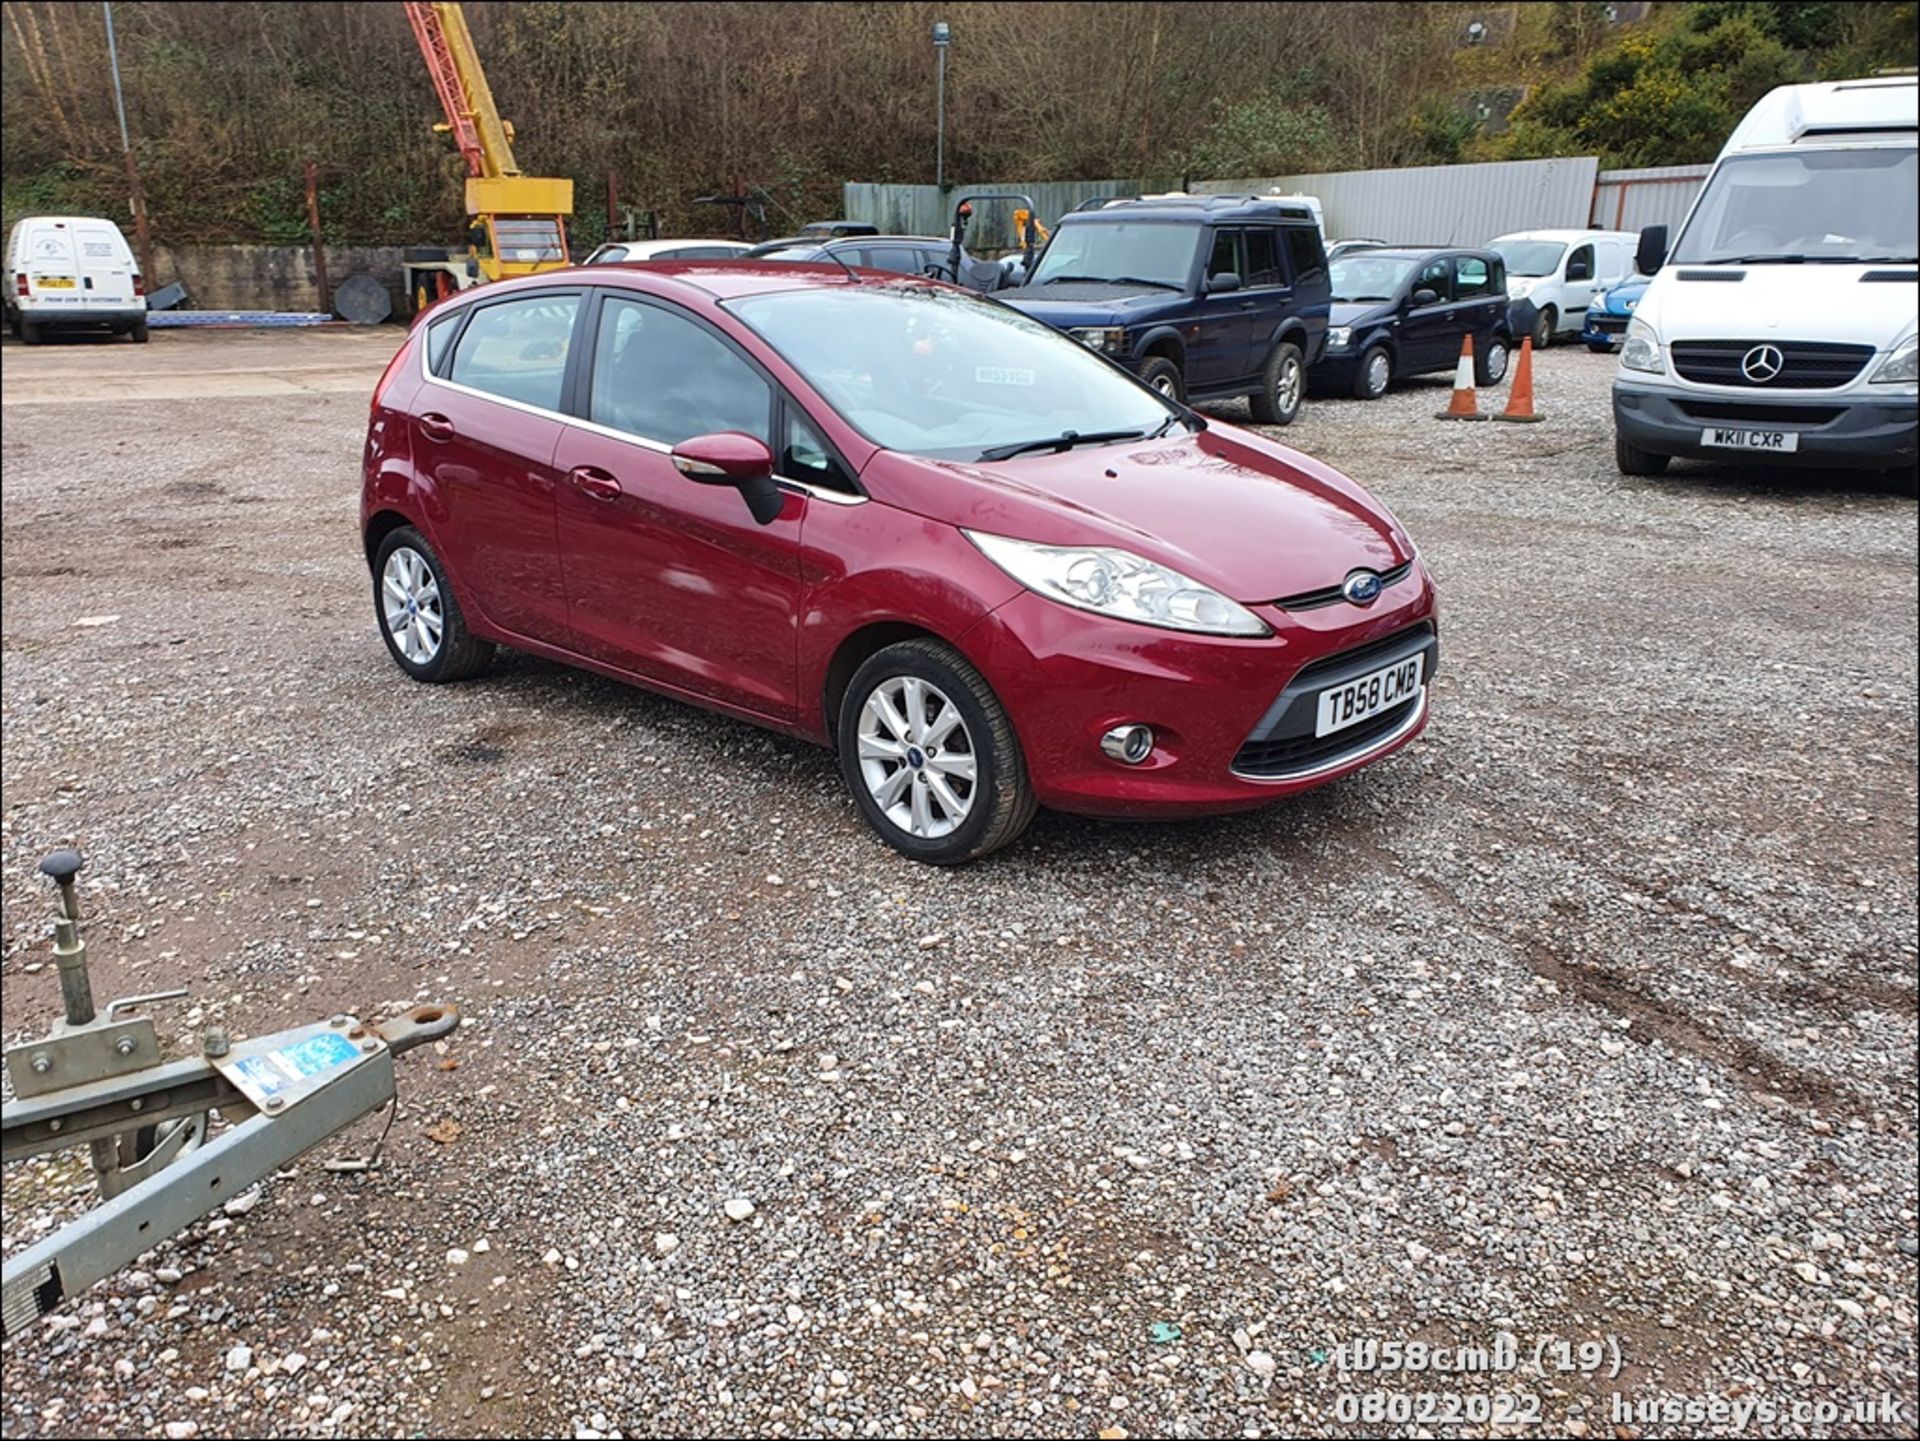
pixel 1592 1015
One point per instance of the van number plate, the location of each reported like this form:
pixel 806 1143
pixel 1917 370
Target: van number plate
pixel 54 282
pixel 1353 701
pixel 1726 439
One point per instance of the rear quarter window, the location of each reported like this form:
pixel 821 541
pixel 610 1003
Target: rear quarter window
pixel 1306 255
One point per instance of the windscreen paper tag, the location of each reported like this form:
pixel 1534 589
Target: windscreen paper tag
pixel 1001 375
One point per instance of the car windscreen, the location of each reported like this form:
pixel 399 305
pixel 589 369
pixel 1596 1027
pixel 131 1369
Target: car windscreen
pixel 794 255
pixel 1360 276
pixel 945 374
pixel 1138 251
pixel 1532 258
pixel 1835 206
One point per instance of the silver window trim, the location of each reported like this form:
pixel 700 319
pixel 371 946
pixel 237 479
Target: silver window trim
pixel 831 497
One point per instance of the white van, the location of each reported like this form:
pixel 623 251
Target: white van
pixel 73 272
pixel 1559 271
pixel 1782 325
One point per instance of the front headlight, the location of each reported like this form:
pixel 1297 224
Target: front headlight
pixel 1902 367
pixel 1107 339
pixel 1338 336
pixel 1118 583
pixel 1642 350
pixel 1519 286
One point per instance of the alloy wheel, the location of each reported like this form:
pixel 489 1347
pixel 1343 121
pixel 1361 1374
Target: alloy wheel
pixel 410 605
pixel 917 757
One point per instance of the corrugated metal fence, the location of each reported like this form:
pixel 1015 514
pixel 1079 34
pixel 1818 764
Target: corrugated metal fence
pixel 928 209
pixel 1634 199
pixel 1433 204
pixel 1439 204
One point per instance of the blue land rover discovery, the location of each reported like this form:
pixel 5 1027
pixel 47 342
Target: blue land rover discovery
pixel 1204 297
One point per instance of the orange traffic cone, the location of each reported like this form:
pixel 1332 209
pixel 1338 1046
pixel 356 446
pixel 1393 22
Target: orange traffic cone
pixel 1520 397
pixel 1463 405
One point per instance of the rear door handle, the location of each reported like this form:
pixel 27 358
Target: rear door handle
pixel 1248 304
pixel 436 425
pixel 593 481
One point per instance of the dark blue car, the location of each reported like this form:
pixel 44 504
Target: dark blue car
pixel 1406 310
pixel 1203 297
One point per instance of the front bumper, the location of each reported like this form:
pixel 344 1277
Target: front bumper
pixel 1603 328
pixel 1844 430
pixel 1066 678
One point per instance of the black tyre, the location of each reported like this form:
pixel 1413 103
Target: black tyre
pixel 1283 386
pixel 1600 347
pixel 139 332
pixel 1543 324
pixel 30 333
pixel 930 756
pixel 419 616
pixel 1375 374
pixel 1164 376
pixel 1632 460
pixel 1490 361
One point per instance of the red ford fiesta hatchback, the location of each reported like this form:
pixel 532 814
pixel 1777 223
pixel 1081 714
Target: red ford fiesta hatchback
pixel 986 565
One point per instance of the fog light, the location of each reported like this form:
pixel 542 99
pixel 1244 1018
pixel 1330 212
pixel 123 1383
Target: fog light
pixel 1129 745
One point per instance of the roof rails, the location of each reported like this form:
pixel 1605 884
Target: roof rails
pixel 1292 211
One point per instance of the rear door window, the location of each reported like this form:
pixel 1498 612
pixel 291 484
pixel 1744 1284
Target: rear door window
pixel 1472 278
pixel 901 259
pixel 665 378
pixel 1263 257
pixel 517 349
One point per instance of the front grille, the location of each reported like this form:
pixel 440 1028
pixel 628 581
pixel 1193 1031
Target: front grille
pixel 1724 276
pixel 1284 744
pixel 1284 755
pixel 1807 364
pixel 1332 595
pixel 1756 414
pixel 1888 277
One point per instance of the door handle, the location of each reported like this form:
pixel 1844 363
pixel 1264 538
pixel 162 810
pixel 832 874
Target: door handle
pixel 1248 304
pixel 436 426
pixel 593 481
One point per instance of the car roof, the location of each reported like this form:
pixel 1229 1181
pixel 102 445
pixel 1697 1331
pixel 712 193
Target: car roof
pixel 1197 207
pixel 642 249
pixel 1564 235
pixel 1420 252
pixel 728 279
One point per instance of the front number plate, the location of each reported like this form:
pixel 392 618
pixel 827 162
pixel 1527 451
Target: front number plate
pixel 1353 701
pixel 1726 439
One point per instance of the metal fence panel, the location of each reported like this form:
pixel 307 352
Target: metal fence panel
pixel 1634 199
pixel 928 209
pixel 1439 204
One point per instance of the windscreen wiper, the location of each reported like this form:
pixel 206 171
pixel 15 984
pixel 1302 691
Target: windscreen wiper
pixel 1065 440
pixel 1760 260
pixel 1138 280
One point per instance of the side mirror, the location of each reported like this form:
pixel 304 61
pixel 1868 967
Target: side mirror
pixel 1652 253
pixel 1424 296
pixel 1219 284
pixel 732 457
pixel 1579 270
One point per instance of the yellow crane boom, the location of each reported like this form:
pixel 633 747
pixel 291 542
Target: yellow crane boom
pixel 524 216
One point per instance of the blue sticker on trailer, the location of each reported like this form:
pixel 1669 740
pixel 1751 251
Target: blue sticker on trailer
pixel 274 1071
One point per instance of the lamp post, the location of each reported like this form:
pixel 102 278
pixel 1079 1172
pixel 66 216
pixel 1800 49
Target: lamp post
pixel 942 38
pixel 136 199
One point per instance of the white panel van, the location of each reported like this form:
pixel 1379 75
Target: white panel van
pixel 1781 327
pixel 1560 271
pixel 73 272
